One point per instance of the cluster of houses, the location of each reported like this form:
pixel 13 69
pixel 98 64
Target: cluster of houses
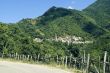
pixel 38 40
pixel 71 39
pixel 66 39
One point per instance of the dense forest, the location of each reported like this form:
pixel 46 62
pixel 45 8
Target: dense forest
pixel 91 23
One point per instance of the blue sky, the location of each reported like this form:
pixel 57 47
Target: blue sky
pixel 15 10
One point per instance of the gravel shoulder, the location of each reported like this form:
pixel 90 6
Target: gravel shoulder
pixel 16 67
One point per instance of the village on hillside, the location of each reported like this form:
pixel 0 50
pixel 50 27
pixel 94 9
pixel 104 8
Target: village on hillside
pixel 66 39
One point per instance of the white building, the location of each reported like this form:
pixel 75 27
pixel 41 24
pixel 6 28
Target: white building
pixel 38 40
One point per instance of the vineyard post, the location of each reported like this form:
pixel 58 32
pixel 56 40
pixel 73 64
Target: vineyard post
pixel 104 64
pixel 88 60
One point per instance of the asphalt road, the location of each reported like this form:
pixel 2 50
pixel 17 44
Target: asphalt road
pixel 15 67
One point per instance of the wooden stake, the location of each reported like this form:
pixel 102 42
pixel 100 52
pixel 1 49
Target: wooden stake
pixel 84 59
pixel 66 60
pixel 96 69
pixel 88 59
pixel 99 64
pixel 70 60
pixel 38 57
pixel 104 65
pixel 57 59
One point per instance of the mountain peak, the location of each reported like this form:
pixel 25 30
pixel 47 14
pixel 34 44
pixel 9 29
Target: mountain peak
pixel 53 7
pixel 56 11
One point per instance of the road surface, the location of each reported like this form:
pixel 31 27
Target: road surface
pixel 15 67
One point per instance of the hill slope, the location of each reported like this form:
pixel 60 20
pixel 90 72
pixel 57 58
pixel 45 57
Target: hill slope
pixel 100 11
pixel 63 21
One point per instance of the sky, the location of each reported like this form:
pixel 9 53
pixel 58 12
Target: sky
pixel 12 11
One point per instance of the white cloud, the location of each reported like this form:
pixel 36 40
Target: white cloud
pixel 70 7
